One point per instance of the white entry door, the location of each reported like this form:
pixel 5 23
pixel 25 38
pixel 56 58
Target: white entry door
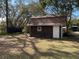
pixel 55 31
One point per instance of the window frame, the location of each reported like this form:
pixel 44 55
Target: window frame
pixel 39 28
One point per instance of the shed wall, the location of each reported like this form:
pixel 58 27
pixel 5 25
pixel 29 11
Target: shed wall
pixel 45 33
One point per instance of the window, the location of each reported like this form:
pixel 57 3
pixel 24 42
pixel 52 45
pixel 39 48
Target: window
pixel 39 28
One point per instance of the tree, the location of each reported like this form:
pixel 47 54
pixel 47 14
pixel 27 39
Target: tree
pixel 2 8
pixel 6 2
pixel 78 2
pixel 15 14
pixel 60 7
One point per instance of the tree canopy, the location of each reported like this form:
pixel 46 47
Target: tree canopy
pixel 18 12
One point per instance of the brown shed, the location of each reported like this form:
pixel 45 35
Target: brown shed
pixel 46 26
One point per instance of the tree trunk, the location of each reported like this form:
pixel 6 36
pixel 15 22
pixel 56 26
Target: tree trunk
pixel 7 14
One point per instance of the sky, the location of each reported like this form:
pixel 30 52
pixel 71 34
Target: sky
pixel 76 13
pixel 13 2
pixel 26 1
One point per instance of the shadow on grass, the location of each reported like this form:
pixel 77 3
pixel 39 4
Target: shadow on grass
pixel 51 53
pixel 38 54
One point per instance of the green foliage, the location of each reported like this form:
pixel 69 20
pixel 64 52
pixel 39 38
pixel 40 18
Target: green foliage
pixel 2 27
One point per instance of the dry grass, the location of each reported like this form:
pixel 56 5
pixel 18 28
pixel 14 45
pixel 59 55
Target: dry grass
pixel 40 48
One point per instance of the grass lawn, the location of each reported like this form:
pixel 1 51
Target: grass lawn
pixel 21 47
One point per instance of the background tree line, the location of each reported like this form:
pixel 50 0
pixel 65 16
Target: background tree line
pixel 18 13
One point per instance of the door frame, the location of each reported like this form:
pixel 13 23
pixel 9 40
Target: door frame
pixel 53 32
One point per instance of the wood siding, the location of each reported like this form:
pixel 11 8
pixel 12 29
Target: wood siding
pixel 45 33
